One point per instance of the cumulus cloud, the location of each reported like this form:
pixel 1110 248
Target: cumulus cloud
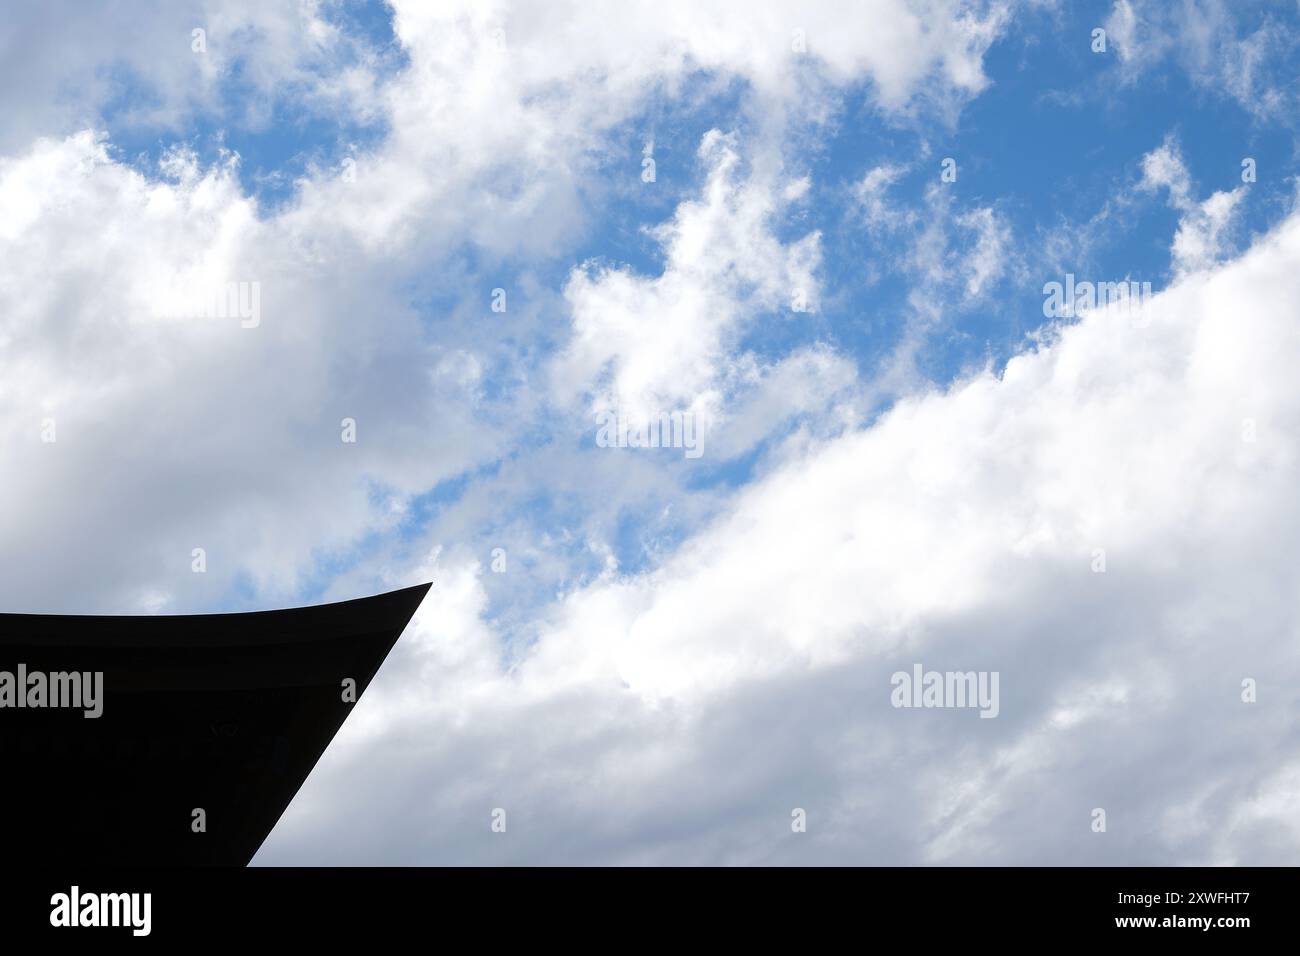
pixel 1204 228
pixel 750 673
pixel 651 344
pixel 499 126
pixel 140 435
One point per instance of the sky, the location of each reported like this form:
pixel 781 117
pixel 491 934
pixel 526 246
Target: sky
pixel 462 238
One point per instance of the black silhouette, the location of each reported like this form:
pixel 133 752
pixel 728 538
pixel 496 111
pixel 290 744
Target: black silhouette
pixel 224 714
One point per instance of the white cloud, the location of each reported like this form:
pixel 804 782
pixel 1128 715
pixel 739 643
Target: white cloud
pixel 1205 227
pixel 1123 32
pixel 176 433
pixel 663 342
pixel 498 129
pixel 870 193
pixel 955 252
pixel 688 708
pixel 63 63
pixel 1209 41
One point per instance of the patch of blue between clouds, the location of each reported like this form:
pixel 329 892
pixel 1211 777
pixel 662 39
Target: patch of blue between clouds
pixel 279 139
